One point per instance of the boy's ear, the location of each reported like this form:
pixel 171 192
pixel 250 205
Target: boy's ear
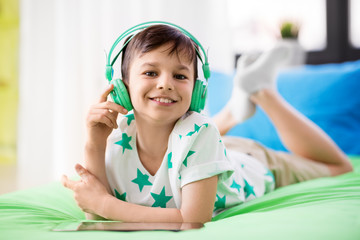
pixel 126 83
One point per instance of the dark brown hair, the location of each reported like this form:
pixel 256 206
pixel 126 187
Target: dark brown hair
pixel 153 37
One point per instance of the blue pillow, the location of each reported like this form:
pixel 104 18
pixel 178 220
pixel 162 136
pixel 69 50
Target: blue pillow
pixel 327 94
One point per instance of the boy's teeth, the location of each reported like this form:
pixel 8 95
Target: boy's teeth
pixel 163 100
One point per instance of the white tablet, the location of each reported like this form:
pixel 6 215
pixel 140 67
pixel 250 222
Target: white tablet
pixel 125 226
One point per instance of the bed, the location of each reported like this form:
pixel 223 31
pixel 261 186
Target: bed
pixel 324 208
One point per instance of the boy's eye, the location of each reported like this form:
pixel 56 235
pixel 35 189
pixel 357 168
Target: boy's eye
pixel 151 74
pixel 180 77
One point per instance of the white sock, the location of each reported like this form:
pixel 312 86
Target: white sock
pixel 240 105
pixel 253 73
pixel 263 71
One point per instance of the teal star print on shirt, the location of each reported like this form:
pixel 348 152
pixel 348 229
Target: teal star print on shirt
pixel 197 129
pixel 160 199
pixel 269 184
pixel 122 197
pixel 270 174
pixel 224 149
pixel 141 180
pixel 220 202
pixel 235 185
pixel 188 155
pixel 129 117
pixel 125 142
pixel 169 160
pixel 248 189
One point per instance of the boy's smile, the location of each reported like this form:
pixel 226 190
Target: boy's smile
pixel 161 84
pixel 163 100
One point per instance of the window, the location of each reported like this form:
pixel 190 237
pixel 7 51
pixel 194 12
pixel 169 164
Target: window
pixel 255 24
pixel 354 10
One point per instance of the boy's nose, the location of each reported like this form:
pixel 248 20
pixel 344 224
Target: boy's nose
pixel 165 82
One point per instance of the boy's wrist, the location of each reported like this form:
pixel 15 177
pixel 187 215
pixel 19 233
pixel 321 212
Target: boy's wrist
pixel 95 145
pixel 104 201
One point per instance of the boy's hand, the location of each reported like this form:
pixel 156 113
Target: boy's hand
pixel 89 193
pixel 101 118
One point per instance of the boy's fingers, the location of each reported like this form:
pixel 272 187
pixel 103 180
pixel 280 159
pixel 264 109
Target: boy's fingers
pixel 111 105
pixel 83 173
pixel 114 107
pixel 106 119
pixel 68 183
pixel 107 91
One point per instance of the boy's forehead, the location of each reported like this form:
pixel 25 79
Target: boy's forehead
pixel 166 50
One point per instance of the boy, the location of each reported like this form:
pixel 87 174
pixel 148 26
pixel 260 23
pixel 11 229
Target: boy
pixel 165 156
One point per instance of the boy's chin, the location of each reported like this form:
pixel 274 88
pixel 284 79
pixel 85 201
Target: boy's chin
pixel 165 117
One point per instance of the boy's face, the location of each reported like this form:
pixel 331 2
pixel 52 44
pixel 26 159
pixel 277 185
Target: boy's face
pixel 161 84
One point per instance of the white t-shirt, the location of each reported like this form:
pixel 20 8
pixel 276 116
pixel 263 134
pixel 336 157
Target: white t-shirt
pixel 195 151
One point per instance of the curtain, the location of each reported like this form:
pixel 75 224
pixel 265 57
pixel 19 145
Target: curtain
pixel 63 44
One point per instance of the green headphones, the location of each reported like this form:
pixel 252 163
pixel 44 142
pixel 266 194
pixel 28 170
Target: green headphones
pixel 120 94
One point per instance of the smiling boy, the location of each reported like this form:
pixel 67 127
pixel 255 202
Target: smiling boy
pixel 164 163
pixel 159 69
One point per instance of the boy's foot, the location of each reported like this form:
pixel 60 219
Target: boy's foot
pixel 240 105
pixel 252 76
pixel 263 71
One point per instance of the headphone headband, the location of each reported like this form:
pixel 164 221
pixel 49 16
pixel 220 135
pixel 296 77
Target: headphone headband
pixel 109 69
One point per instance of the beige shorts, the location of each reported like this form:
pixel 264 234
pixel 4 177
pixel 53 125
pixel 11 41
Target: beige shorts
pixel 287 168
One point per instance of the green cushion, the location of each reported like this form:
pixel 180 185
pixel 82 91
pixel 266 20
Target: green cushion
pixel 325 208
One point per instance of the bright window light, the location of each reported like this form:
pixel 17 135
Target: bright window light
pixel 355 23
pixel 255 24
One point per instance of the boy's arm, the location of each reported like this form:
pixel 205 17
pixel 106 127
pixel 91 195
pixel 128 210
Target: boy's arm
pixel 101 120
pixel 95 163
pixel 198 200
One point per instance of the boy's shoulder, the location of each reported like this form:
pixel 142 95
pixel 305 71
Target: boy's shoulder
pixel 193 122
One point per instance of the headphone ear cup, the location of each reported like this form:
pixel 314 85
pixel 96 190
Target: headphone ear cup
pixel 120 94
pixel 198 98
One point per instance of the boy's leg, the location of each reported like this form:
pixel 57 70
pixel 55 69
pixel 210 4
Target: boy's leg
pixel 300 135
pixel 224 121
pixel 239 107
pixel 254 72
pixel 286 167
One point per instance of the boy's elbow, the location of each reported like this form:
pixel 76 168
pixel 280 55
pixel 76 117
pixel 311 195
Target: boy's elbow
pixel 91 216
pixel 348 168
pixel 343 168
pixel 190 218
pixel 206 220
